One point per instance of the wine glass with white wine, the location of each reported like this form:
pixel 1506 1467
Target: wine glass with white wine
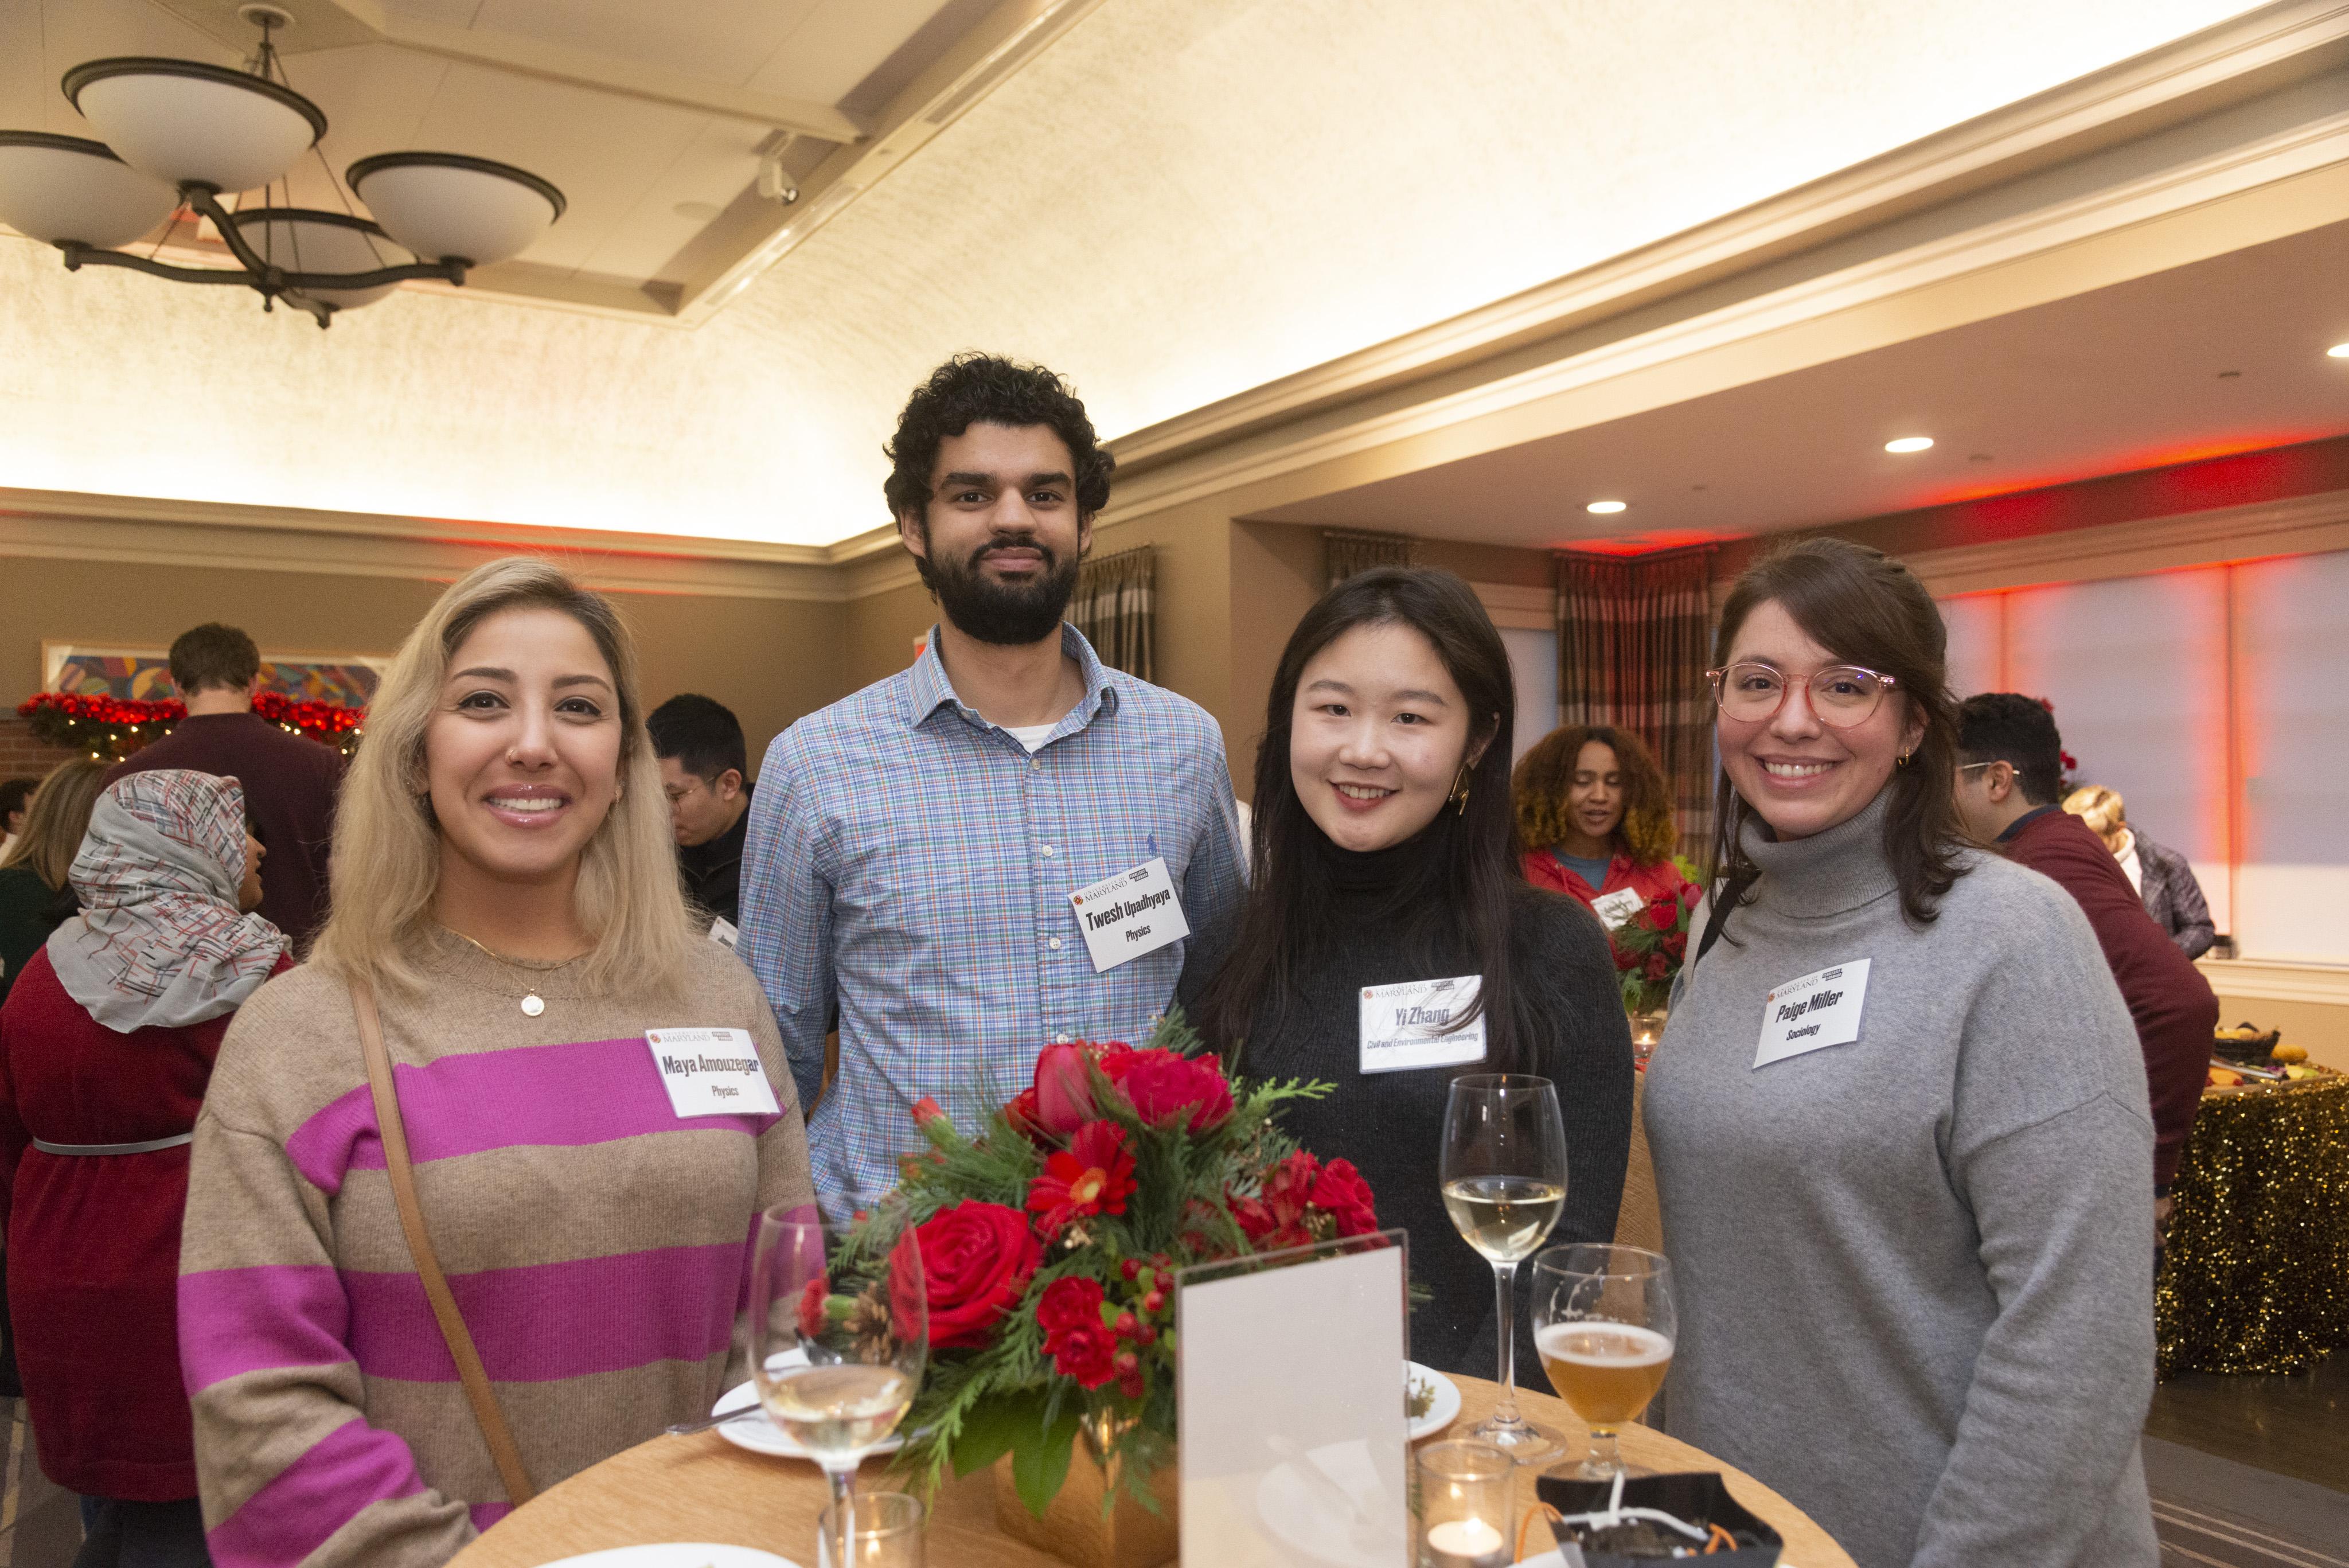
pixel 1504 1176
pixel 838 1339
pixel 1604 1323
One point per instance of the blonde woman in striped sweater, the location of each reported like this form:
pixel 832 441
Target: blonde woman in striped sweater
pixel 505 890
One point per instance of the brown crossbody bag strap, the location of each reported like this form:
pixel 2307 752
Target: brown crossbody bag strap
pixel 394 1133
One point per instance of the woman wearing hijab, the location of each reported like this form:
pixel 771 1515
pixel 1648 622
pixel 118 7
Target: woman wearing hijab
pixel 106 1042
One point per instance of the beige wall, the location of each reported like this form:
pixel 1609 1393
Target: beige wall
pixel 770 661
pixel 2321 1027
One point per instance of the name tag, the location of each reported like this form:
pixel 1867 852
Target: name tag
pixel 725 932
pixel 712 1072
pixel 1818 1010
pixel 1405 1025
pixel 1614 908
pixel 1130 914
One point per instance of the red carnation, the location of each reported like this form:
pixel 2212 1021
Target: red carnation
pixel 813 1300
pixel 1088 1354
pixel 1022 1115
pixel 1067 1303
pixel 1255 1220
pixel 1342 1193
pixel 977 1259
pixel 1166 1087
pixel 1093 1176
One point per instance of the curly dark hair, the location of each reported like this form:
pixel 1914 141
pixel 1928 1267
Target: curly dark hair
pixel 987 388
pixel 1546 772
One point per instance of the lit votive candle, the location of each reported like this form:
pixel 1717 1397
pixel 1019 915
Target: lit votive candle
pixel 1466 1544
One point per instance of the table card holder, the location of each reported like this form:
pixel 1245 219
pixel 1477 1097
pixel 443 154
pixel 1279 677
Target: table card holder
pixel 1289 1399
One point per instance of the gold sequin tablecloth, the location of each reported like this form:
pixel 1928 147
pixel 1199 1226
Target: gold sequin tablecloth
pixel 2256 1274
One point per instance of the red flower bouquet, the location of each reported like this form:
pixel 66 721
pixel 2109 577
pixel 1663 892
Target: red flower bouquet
pixel 1051 1240
pixel 1651 947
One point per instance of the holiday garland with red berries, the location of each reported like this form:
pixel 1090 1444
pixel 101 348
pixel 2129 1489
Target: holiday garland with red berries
pixel 1050 1244
pixel 111 728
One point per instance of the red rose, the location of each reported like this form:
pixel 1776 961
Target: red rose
pixel 1661 915
pixel 1659 966
pixel 1164 1088
pixel 1064 1083
pixel 1071 1303
pixel 1624 960
pixel 1689 894
pixel 1675 944
pixel 1022 1114
pixel 1089 1354
pixel 1342 1192
pixel 977 1259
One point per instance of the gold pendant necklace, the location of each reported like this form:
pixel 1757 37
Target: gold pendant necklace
pixel 533 1004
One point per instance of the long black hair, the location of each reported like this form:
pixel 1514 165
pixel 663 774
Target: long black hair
pixel 1466 885
pixel 1865 606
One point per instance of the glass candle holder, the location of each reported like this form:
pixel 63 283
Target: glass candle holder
pixel 1467 1505
pixel 887 1526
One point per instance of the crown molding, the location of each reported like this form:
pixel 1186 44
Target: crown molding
pixel 2304 524
pixel 141 530
pixel 2260 52
pixel 2261 979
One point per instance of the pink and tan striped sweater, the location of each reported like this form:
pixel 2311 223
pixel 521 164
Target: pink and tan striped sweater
pixel 596 1243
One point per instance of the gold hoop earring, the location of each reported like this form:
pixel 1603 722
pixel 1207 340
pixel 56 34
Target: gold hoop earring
pixel 1904 760
pixel 1459 796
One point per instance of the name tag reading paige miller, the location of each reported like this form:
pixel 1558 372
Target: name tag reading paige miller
pixel 1406 1025
pixel 1818 1010
pixel 712 1072
pixel 1130 914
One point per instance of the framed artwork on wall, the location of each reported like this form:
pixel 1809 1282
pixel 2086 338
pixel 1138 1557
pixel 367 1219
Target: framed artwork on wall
pixel 144 674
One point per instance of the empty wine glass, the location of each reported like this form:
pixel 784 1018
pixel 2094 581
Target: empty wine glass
pixel 839 1338
pixel 1605 1326
pixel 1504 1176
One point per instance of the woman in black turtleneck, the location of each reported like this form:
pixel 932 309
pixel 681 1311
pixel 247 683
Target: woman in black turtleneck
pixel 1384 851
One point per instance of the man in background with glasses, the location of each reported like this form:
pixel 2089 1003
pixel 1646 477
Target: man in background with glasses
pixel 703 763
pixel 2010 779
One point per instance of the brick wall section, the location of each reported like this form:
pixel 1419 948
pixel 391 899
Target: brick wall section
pixel 24 755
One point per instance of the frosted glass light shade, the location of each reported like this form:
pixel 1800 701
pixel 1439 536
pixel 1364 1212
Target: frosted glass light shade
pixel 301 240
pixel 183 120
pixel 445 206
pixel 62 188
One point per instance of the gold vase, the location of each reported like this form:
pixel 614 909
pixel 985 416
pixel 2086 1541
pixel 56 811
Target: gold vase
pixel 1076 1527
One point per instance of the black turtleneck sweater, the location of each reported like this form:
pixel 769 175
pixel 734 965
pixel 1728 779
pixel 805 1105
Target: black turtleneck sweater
pixel 1391 1125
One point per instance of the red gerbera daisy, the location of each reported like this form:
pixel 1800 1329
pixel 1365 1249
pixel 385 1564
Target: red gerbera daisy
pixel 1092 1176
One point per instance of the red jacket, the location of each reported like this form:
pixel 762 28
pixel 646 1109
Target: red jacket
pixel 94 1240
pixel 1661 881
pixel 2175 1011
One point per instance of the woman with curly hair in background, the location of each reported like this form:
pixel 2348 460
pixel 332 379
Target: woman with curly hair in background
pixel 1596 815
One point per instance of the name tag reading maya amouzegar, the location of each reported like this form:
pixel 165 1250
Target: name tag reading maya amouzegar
pixel 1130 914
pixel 1820 1009
pixel 711 1072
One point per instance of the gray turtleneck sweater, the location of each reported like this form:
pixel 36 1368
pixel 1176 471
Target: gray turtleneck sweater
pixel 1915 1270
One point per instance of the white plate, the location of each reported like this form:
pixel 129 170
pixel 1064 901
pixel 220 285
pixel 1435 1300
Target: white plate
pixel 675 1554
pixel 761 1435
pixel 1446 1409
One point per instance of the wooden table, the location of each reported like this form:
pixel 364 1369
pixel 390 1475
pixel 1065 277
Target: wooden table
pixel 702 1487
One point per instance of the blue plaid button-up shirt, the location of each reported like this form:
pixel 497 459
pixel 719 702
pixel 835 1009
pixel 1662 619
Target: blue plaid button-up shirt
pixel 911 863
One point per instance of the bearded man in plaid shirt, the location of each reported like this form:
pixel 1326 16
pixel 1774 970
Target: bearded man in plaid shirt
pixel 913 850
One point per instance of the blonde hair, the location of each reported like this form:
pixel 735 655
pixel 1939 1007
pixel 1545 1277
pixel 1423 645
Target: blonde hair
pixel 2101 808
pixel 386 864
pixel 55 820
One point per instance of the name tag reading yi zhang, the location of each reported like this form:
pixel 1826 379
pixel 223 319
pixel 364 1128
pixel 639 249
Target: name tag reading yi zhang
pixel 1417 1025
pixel 1820 1009
pixel 712 1072
pixel 1130 914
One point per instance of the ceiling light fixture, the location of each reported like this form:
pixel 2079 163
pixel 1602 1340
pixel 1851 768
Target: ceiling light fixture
pixel 1605 507
pixel 2338 351
pixel 1909 443
pixel 182 134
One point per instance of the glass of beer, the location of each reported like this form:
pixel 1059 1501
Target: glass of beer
pixel 1604 1326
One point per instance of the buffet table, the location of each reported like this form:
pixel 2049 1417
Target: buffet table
pixel 702 1489
pixel 2256 1274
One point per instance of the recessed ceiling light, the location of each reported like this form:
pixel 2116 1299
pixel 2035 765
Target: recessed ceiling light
pixel 1909 443
pixel 2338 351
pixel 1605 506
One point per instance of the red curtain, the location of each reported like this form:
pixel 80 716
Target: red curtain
pixel 1634 634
